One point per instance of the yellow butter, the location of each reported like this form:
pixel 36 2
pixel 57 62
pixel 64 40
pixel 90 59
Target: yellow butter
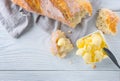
pixel 96 39
pixel 80 43
pixel 61 42
pixel 80 51
pixel 91 48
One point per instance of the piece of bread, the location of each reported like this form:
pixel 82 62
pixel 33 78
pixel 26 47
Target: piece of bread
pixel 69 12
pixel 60 45
pixel 107 21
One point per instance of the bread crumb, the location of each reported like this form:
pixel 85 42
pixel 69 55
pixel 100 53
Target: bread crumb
pixel 69 31
pixel 93 66
pixel 70 62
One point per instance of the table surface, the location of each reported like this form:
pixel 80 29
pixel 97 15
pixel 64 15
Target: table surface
pixel 29 59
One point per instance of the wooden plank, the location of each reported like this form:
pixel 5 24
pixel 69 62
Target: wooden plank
pixel 60 76
pixel 107 4
pixel 31 52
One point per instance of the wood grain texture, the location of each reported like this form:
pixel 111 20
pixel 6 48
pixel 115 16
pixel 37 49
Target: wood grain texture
pixel 31 52
pixel 60 76
pixel 29 59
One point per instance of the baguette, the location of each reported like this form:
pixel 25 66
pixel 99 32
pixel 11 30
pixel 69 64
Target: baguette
pixel 69 12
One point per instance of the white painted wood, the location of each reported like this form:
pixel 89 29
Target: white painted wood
pixel 60 76
pixel 29 59
pixel 31 52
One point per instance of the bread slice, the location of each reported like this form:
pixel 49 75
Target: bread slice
pixel 107 21
pixel 60 45
pixel 69 12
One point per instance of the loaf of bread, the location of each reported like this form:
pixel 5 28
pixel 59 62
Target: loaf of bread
pixel 107 21
pixel 69 12
pixel 60 45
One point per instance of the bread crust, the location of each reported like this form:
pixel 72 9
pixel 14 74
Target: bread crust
pixel 112 20
pixel 107 21
pixel 61 10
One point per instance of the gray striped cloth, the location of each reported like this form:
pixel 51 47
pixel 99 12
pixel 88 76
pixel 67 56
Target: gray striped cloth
pixel 18 21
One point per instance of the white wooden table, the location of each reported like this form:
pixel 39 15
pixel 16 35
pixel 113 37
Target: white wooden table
pixel 29 59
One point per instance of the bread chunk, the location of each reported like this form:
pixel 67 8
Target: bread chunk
pixel 107 21
pixel 60 45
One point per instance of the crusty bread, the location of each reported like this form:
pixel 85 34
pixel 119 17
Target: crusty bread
pixel 60 45
pixel 69 12
pixel 107 21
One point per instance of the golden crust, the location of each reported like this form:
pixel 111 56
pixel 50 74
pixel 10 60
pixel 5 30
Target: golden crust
pixel 86 5
pixel 109 19
pixel 23 4
pixel 65 11
pixel 112 20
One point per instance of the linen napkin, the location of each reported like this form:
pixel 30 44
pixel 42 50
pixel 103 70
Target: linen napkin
pixel 14 19
pixel 18 21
